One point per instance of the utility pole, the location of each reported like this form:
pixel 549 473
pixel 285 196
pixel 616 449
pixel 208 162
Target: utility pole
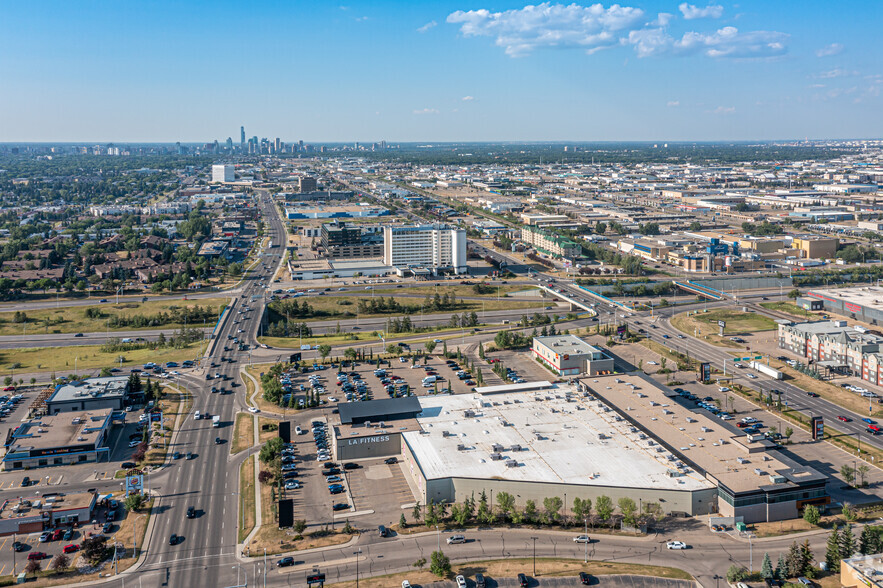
pixel 534 555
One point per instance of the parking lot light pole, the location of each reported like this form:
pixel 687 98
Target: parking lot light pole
pixel 534 555
pixel 586 522
pixel 357 554
pixel 438 536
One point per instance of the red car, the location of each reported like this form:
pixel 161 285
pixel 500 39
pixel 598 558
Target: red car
pixel 37 555
pixel 73 547
pixel 9 389
pixel 844 419
pixel 56 535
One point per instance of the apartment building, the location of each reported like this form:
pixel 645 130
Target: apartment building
pixel 436 247
pixel 342 241
pixel 550 243
pixel 832 345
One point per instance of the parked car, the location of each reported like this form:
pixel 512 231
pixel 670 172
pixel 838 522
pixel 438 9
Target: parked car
pixel 585 579
pixel 522 581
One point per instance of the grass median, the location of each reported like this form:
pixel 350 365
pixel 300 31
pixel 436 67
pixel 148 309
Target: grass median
pixel 737 323
pixel 247 514
pixel 74 319
pixel 243 433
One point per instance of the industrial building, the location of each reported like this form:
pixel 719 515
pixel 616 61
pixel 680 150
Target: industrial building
pixel 568 355
pixel 754 481
pixel 223 173
pixel 435 247
pixel 543 444
pixel 91 394
pixel 340 211
pixel 863 303
pixel 63 439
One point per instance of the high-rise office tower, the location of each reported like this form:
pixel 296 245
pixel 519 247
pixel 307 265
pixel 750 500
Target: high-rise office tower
pixel 242 135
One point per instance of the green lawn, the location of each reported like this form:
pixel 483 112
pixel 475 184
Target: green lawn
pixel 412 339
pixel 738 322
pixel 73 319
pixel 788 307
pixel 64 360
pixel 338 306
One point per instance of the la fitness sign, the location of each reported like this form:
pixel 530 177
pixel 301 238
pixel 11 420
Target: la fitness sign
pixel 363 440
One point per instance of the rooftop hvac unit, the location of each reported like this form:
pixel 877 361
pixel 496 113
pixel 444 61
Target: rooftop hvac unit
pixel 496 457
pixel 469 414
pixel 515 448
pixel 445 434
pixel 461 447
pixel 497 447
pixel 758 471
pixel 777 479
pixel 741 460
pixel 511 463
pixel 705 429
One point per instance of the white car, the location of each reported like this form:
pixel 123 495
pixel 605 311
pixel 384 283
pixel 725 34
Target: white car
pixel 461 582
pixel 299 431
pixel 406 584
pixel 582 539
pixel 254 409
pixel 332 399
pixel 676 545
pixel 437 341
pixel 292 485
pixel 652 363
pixel 723 389
pixel 134 443
pixel 752 376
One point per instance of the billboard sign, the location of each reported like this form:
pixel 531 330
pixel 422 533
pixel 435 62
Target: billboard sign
pixel 315 579
pixel 621 330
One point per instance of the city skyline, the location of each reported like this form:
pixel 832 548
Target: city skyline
pixel 451 71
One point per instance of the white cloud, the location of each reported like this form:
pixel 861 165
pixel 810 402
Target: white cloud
pixel 467 98
pixel 426 111
pixel 837 72
pixel 521 31
pixel 729 42
pixel 650 42
pixel 673 103
pixel 691 12
pixel 828 50
pixel 662 19
pixel 724 110
pixel 427 26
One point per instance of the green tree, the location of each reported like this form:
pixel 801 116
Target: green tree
pixel 736 574
pixel 530 511
pixel 604 507
pixel 832 550
pixel 134 502
pixel 300 526
pixel 403 522
pixel 271 450
pixel 806 559
pixel 415 514
pixel 766 568
pixel 848 511
pixel 430 346
pixel 439 564
pixel 628 508
pixel 862 471
pixel 788 432
pixel 324 350
pixel 811 514
pixel 781 568
pixel 793 294
pixel 794 560
pixel 847 542
pixel 506 503
pixel 551 507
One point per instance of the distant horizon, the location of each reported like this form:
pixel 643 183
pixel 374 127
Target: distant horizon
pixel 431 143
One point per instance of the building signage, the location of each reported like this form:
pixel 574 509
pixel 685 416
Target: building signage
pixel 363 440
pixel 704 371
pixel 852 307
pixel 818 428
pixel 722 324
pixel 59 450
pixel 315 579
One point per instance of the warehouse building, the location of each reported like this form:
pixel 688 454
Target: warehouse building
pixel 863 303
pixel 753 479
pixel 63 439
pixel 568 355
pixel 374 428
pixel 543 444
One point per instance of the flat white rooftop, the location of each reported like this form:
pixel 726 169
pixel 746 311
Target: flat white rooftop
pixel 522 387
pixel 560 440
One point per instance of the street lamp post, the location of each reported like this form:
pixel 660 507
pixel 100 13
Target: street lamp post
pixel 534 555
pixel 357 554
pixel 586 523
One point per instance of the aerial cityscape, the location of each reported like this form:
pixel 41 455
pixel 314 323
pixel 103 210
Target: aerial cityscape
pixel 441 295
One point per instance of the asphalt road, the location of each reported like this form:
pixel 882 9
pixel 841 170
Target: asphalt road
pixel 70 339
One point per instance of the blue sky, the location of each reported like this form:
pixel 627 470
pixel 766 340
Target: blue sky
pixel 458 70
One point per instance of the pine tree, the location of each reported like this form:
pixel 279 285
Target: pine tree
pixel 794 561
pixel 781 568
pixel 832 550
pixel 766 569
pixel 868 543
pixel 847 542
pixel 806 557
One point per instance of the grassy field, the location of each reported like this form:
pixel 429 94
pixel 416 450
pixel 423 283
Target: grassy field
pixel 666 352
pixel 66 360
pixel 458 290
pixel 788 307
pixel 546 567
pixel 247 513
pixel 73 319
pixel 243 433
pixel 738 323
pixel 266 435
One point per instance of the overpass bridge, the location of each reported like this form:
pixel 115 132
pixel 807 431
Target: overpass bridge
pixel 700 290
